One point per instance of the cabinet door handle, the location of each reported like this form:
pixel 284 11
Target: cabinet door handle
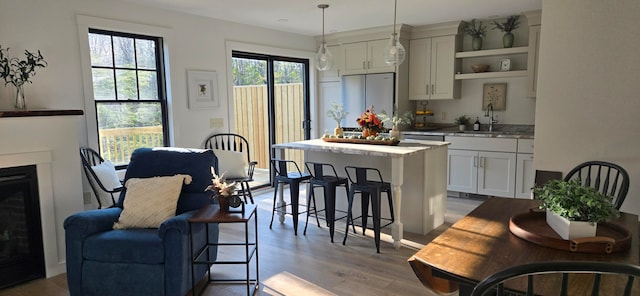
pixel 475 161
pixel 368 64
pixel 481 162
pixel 427 90
pixel 433 89
pixel 364 63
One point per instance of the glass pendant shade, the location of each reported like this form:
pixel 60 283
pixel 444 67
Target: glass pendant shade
pixel 324 58
pixel 394 53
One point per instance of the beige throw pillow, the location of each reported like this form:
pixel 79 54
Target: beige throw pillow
pixel 231 163
pixel 150 201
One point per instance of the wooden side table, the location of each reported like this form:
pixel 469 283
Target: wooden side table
pixel 211 214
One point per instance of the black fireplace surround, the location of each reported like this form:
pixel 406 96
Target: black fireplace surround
pixel 21 249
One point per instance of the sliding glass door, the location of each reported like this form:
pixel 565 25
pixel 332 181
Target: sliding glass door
pixel 271 105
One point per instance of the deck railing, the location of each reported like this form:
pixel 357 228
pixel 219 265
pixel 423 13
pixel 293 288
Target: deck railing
pixel 117 144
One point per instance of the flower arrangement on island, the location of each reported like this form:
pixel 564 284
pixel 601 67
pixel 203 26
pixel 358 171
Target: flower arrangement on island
pixel 370 122
pixel 220 187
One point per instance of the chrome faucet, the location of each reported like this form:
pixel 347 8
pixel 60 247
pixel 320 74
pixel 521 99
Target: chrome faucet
pixel 489 113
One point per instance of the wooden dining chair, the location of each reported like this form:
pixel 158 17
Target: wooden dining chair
pixel 587 278
pixel 234 160
pixel 607 178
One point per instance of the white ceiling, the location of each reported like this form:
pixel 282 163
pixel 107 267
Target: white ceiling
pixel 304 17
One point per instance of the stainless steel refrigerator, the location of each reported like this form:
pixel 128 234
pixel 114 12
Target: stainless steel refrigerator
pixel 359 92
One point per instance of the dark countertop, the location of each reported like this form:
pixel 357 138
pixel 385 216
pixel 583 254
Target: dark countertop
pixel 499 131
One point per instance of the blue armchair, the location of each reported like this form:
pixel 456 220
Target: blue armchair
pixel 104 261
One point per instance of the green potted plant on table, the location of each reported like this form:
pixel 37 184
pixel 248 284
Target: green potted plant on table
pixel 476 30
pixel 573 210
pixel 18 72
pixel 462 122
pixel 337 113
pixel 510 24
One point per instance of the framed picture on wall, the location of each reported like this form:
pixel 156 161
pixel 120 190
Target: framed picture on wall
pixel 202 88
pixel 496 94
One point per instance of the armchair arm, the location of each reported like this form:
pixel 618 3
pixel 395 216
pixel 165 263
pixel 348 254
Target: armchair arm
pixel 83 224
pixel 179 223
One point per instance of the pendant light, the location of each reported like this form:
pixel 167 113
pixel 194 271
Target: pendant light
pixel 394 53
pixel 324 58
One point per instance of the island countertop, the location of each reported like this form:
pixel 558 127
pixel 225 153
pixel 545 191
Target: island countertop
pixel 404 148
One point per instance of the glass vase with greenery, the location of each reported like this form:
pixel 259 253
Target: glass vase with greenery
pixel 337 113
pixel 18 72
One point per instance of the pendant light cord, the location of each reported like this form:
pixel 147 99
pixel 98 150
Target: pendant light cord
pixel 395 12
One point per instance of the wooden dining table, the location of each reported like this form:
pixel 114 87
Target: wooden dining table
pixel 481 244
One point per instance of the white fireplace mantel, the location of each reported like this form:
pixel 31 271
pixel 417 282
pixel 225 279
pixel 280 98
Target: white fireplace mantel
pixel 48 140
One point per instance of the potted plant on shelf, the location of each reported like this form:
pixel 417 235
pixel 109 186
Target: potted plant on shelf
pixel 462 122
pixel 18 72
pixel 476 30
pixel 510 24
pixel 573 210
pixel 337 113
pixel 396 121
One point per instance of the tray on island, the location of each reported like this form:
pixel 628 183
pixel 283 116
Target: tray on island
pixel 362 141
pixel 532 227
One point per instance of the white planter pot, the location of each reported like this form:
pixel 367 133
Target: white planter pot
pixel 570 229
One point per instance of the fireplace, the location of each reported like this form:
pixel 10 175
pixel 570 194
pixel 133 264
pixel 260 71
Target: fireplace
pixel 21 248
pixel 48 140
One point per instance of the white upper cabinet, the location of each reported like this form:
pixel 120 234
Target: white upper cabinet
pixel 432 65
pixel 365 57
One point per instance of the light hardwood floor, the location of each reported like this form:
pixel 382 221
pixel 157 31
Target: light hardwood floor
pixel 310 264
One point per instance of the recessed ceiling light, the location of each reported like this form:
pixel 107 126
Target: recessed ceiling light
pixel 283 20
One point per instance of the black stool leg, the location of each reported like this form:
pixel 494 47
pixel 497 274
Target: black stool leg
pixel 311 196
pixel 346 188
pixel 349 218
pixel 294 189
pixel 273 211
pixel 330 207
pixel 365 210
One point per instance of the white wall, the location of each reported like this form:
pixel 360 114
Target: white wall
pixel 519 108
pixel 194 43
pixel 589 88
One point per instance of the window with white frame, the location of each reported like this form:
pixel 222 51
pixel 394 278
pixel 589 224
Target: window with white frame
pixel 129 93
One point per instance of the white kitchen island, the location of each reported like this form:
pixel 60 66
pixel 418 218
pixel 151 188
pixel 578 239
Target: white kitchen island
pixel 417 171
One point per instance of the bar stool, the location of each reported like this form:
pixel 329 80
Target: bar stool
pixel 293 178
pixel 329 181
pixel 369 189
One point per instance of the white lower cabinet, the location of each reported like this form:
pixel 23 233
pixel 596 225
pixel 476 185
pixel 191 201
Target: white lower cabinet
pixel 525 172
pixel 525 175
pixel 488 173
pixel 491 171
